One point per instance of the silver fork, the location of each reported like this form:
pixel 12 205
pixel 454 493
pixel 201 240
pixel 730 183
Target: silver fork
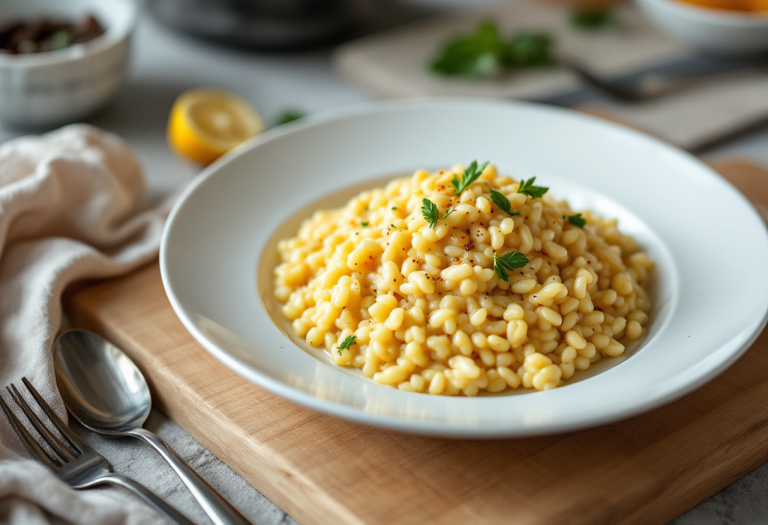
pixel 664 78
pixel 77 465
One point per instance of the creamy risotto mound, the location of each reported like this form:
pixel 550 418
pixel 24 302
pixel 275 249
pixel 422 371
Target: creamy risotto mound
pixel 462 281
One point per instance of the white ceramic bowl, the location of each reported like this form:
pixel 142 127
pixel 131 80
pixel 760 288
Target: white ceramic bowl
pixel 710 30
pixel 709 293
pixel 59 87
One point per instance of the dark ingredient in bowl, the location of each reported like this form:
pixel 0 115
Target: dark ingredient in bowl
pixel 46 34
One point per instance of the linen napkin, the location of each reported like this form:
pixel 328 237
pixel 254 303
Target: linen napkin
pixel 69 204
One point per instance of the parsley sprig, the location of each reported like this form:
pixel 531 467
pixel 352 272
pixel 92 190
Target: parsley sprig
pixel 509 261
pixel 471 174
pixel 486 53
pixel 289 115
pixel 347 343
pixel 592 18
pixel 61 39
pixel 431 214
pixel 502 202
pixel 577 220
pixel 527 187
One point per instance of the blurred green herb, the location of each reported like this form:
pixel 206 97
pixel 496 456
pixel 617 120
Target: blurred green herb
pixel 500 200
pixel 509 261
pixel 61 39
pixel 364 224
pixel 348 342
pixel 530 49
pixel 486 52
pixel 289 115
pixel 577 220
pixel 431 214
pixel 527 187
pixel 592 18
pixel 470 175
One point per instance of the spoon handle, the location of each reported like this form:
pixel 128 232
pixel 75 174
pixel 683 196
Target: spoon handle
pixel 162 507
pixel 218 509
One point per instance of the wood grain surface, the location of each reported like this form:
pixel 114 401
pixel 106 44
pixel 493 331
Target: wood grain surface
pixel 322 470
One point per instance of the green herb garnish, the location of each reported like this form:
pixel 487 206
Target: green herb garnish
pixel 348 342
pixel 577 220
pixel 431 214
pixel 592 18
pixel 61 39
pixel 502 202
pixel 289 115
pixel 364 224
pixel 509 261
pixel 471 174
pixel 486 53
pixel 394 207
pixel 530 49
pixel 527 187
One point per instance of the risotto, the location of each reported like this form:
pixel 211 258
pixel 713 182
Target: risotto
pixel 462 281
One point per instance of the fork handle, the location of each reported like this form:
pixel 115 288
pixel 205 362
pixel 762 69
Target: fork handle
pixel 218 509
pixel 148 496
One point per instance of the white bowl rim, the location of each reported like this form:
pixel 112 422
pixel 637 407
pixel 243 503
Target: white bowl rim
pixel 111 37
pixel 711 15
pixel 716 365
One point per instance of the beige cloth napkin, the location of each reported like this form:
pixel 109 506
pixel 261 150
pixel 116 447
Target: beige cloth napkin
pixel 68 212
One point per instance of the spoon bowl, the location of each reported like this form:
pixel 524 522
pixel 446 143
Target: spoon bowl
pixel 100 384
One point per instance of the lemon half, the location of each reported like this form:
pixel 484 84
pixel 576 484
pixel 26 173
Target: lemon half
pixel 206 123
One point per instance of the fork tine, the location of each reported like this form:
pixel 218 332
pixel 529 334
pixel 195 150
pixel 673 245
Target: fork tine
pixel 58 448
pixel 611 88
pixel 30 444
pixel 73 439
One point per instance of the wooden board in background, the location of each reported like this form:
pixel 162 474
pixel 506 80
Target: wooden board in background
pixel 393 63
pixel 322 470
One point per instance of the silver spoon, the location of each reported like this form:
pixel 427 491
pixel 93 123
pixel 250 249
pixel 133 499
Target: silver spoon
pixel 108 394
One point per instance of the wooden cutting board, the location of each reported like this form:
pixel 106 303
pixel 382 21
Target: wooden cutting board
pixel 645 470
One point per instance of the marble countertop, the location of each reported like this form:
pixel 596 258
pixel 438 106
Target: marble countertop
pixel 163 65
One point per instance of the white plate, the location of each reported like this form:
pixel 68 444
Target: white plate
pixel 710 293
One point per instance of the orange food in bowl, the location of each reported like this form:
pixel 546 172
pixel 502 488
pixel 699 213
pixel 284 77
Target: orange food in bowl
pixel 749 6
pixel 759 5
